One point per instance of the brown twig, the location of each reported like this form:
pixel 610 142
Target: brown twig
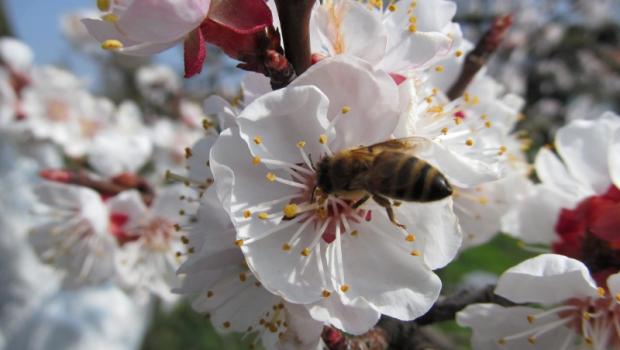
pixel 295 22
pixel 479 56
pixel 395 334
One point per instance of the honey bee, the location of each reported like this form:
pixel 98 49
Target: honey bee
pixel 384 171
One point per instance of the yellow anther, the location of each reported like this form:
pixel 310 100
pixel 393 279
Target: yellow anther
pixel 354 233
pixel 617 297
pixel 103 5
pixel 410 238
pixel 600 291
pixel 177 227
pixel 271 176
pixel 323 139
pixel 435 91
pixel 207 124
pixel 458 121
pixel 435 109
pixel 413 19
pixel 110 17
pixel 502 150
pixel 483 200
pixel 429 100
pixel 531 319
pixel 190 250
pixel 242 277
pixel 181 212
pixel 588 340
pixel 247 214
pixel 226 324
pixel 413 28
pixel 469 142
pixel 256 160
pixel 188 152
pixel 344 288
pixel 458 53
pixel 392 7
pixel 301 144
pixel 184 240
pixel 239 242
pixel 483 116
pixel 111 44
pixel 531 339
pixel 586 316
pixel 258 140
pixel 209 294
pixel 346 109
pixel 305 252
pixel 501 341
pixel 326 293
pixel 444 131
pixel 475 101
pixel 263 216
pixel 286 247
pixel 487 124
pixel 439 69
pixel 415 252
pixel 290 210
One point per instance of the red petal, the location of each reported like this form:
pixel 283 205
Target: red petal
pixel 398 79
pixel 246 16
pixel 606 224
pixel 194 53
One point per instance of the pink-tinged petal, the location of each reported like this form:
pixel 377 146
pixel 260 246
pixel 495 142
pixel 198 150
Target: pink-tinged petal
pixel 490 323
pixel 546 279
pixel 194 53
pixel 289 116
pixel 161 20
pixel 583 145
pixel 355 317
pixel 372 96
pixel 404 288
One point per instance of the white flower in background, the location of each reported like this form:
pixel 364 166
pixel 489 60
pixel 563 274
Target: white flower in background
pixel 138 27
pixel 56 108
pixel 76 237
pixel 98 318
pixel 16 56
pixel 587 169
pixel 404 35
pixel 150 249
pixel 576 312
pixel 228 293
pixel 74 31
pixel 307 251
pixel 158 83
pixel 485 106
pixel 123 146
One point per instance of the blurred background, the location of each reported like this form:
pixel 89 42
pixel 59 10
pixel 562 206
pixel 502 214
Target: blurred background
pixel 563 56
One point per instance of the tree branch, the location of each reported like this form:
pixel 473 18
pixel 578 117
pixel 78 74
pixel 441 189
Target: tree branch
pixel 295 22
pixel 479 56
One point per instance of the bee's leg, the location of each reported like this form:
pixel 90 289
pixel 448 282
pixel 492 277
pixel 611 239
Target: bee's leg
pixel 360 201
pixel 384 202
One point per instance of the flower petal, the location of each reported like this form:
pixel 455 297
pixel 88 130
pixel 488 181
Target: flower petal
pixel 194 53
pixel 546 279
pixel 356 318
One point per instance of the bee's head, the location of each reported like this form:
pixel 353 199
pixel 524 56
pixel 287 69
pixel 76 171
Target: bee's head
pixel 323 179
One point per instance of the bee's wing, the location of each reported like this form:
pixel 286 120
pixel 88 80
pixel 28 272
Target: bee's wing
pixel 413 144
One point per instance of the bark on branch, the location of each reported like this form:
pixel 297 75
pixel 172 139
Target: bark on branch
pixel 295 24
pixel 480 55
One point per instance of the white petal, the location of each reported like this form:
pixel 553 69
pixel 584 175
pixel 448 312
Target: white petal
pixel 372 96
pixel 356 318
pixel 254 85
pixel 281 119
pixel 112 153
pixel 490 322
pixel 129 203
pixel 546 279
pixel 554 175
pixel 226 115
pixel 384 273
pixel 199 169
pixel 613 283
pixel 533 220
pixel 583 146
pixel 614 159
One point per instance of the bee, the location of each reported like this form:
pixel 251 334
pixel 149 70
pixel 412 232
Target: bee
pixel 385 171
